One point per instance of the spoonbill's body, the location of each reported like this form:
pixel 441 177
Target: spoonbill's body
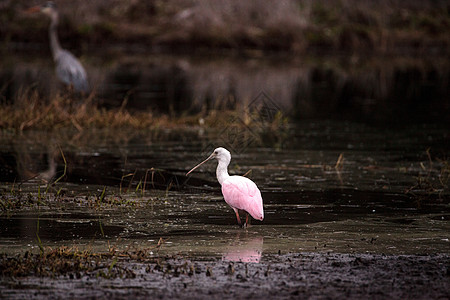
pixel 239 192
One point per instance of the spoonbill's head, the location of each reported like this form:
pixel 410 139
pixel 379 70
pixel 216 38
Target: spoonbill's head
pixel 221 154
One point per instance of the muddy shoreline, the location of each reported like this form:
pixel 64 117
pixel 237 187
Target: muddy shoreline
pixel 285 276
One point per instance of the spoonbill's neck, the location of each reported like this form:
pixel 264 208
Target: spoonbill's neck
pixel 222 171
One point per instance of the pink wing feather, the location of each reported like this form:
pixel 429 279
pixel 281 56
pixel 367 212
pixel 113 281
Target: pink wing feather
pixel 242 193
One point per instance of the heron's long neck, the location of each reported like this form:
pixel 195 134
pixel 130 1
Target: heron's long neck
pixel 54 42
pixel 222 171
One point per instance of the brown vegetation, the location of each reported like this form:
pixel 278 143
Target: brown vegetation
pixel 30 111
pixel 290 25
pixel 73 261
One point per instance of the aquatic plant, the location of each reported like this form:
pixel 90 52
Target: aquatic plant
pixel 432 180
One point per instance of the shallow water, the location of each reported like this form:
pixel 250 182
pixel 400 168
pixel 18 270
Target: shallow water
pixel 202 225
pixel 362 206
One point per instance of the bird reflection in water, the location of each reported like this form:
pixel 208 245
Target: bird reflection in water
pixel 246 249
pixel 39 165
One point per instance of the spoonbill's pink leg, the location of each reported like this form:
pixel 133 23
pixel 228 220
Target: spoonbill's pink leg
pixel 247 220
pixel 238 217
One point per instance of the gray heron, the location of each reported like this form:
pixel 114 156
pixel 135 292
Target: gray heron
pixel 68 68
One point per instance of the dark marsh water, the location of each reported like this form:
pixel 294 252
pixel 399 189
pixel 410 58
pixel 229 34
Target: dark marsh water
pixel 379 89
pixel 364 206
pixel 381 115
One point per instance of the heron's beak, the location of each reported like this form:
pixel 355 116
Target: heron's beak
pixel 33 9
pixel 211 156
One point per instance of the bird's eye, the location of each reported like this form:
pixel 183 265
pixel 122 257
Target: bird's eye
pixel 216 152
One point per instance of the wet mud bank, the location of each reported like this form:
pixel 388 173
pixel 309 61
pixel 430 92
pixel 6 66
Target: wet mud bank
pixel 285 276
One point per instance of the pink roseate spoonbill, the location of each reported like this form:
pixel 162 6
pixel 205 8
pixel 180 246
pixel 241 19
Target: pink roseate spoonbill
pixel 68 69
pixel 239 192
